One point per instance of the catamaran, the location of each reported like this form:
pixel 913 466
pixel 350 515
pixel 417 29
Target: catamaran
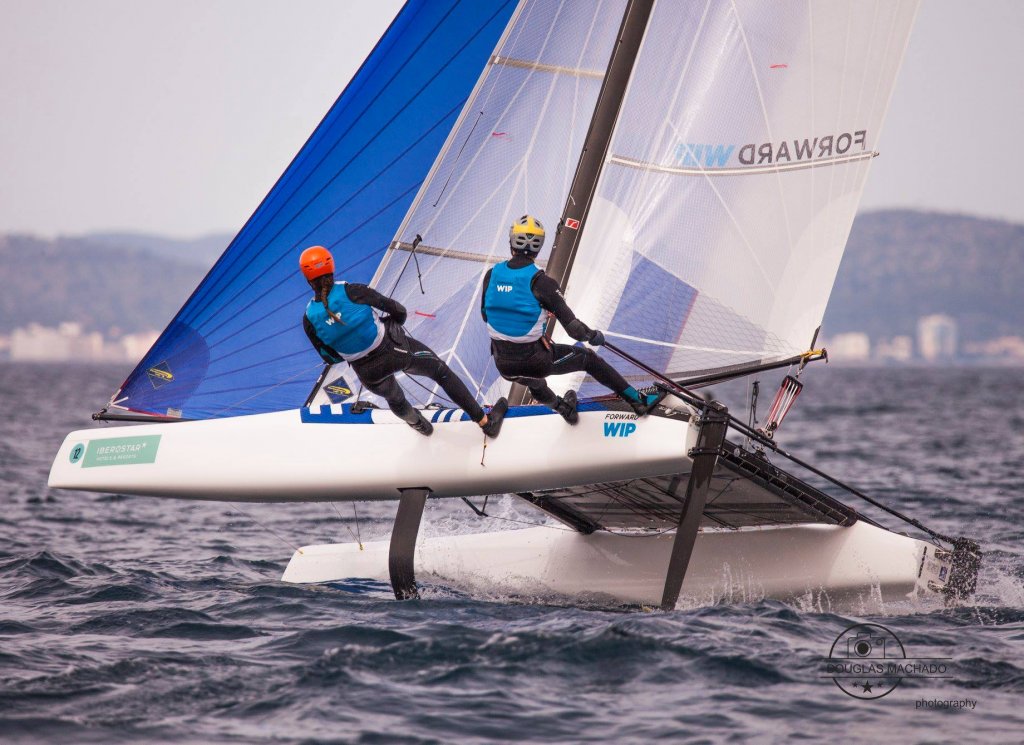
pixel 703 162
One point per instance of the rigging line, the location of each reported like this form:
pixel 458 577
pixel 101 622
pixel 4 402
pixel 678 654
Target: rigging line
pixel 457 157
pixel 465 369
pixel 528 522
pixel 277 535
pixel 483 204
pixel 742 428
pixel 347 526
pixel 359 538
pixel 431 393
pixel 341 137
pixel 412 252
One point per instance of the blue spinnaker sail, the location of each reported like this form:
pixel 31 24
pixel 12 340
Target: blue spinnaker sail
pixel 237 345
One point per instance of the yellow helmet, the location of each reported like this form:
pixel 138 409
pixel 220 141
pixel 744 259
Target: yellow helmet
pixel 526 234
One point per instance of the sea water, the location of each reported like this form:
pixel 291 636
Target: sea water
pixel 129 619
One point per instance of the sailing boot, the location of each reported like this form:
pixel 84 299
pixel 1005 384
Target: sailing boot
pixel 566 407
pixel 641 403
pixel 495 417
pixel 417 421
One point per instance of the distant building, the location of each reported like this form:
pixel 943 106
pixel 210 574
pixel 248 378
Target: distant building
pixel 64 343
pixel 67 343
pixel 133 347
pixel 1009 349
pixel 937 338
pixel 897 349
pixel 852 347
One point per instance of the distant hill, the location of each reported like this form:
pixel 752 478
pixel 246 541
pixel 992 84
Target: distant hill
pixel 203 250
pixel 899 265
pixel 99 286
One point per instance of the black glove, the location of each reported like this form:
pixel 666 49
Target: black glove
pixel 396 316
pixel 596 338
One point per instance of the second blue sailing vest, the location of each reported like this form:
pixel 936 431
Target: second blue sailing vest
pixel 359 333
pixel 513 313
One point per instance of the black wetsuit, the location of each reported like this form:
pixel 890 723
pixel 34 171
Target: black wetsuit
pixel 398 352
pixel 529 363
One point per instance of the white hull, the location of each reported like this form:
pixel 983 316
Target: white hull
pixel 859 566
pixel 279 457
pixel 292 456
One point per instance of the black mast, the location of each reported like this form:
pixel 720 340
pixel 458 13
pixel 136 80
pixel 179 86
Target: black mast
pixel 595 147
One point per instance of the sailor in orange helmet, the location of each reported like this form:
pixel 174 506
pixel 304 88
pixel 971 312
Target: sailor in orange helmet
pixel 341 324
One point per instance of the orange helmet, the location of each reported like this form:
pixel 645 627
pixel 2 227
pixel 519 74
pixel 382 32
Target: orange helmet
pixel 316 261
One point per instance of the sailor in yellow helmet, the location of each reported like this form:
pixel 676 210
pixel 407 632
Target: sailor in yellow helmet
pixel 517 298
pixel 340 323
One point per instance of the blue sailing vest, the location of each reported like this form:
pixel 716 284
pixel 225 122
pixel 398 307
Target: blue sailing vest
pixel 358 335
pixel 513 313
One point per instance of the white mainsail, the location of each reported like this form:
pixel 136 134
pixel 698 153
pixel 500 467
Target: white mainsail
pixel 733 176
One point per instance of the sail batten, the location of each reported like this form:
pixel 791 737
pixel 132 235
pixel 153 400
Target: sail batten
pixel 558 69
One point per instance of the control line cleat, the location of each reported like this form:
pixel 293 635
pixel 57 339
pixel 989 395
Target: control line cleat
pixel 566 407
pixel 495 417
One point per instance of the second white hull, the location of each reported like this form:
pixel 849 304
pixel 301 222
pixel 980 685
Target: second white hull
pixel 831 567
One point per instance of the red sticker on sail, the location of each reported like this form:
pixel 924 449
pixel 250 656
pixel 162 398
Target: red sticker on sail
pixel 572 224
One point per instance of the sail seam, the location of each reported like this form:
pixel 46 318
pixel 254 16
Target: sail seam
pixel 577 72
pixel 641 165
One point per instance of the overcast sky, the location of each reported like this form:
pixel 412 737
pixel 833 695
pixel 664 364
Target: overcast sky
pixel 177 117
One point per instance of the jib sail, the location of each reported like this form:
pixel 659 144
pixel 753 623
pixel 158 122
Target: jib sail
pixel 237 345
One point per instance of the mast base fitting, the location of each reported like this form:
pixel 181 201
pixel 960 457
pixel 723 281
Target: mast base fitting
pixel 963 574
